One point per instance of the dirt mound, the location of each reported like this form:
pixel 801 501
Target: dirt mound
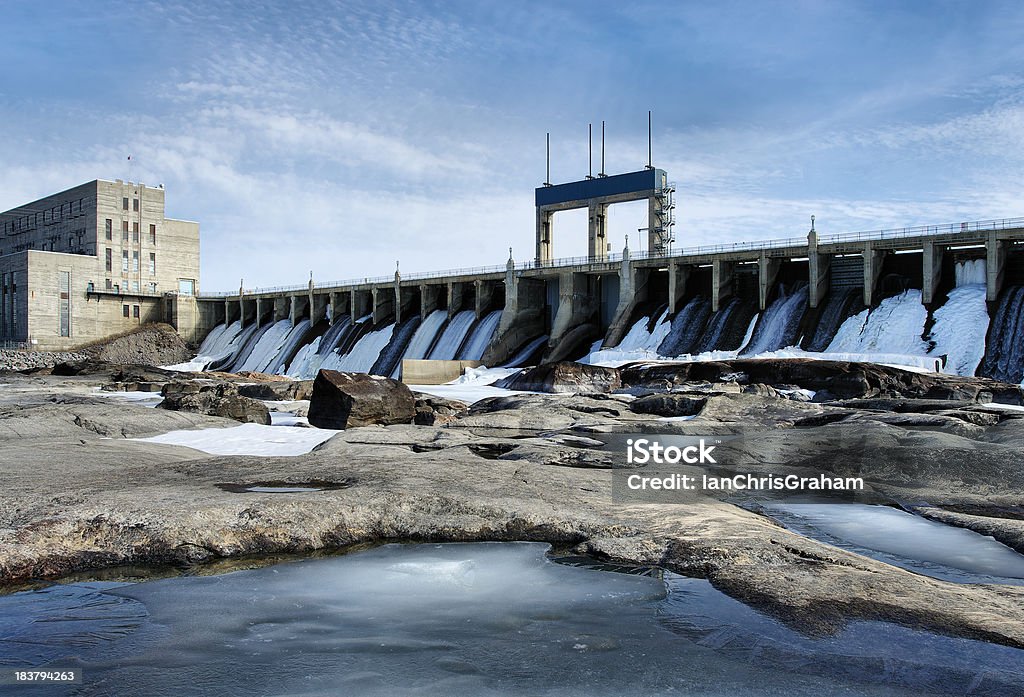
pixel 151 344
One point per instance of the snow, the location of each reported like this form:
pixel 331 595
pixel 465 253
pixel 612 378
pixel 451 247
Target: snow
pixel 145 399
pixel 474 385
pixel 247 439
pixel 960 328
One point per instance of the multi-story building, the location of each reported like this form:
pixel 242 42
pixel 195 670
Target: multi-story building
pixel 91 261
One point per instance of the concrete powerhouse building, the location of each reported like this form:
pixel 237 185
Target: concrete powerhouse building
pixel 92 261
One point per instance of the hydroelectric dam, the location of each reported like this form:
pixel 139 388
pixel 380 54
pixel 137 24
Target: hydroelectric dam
pixel 950 295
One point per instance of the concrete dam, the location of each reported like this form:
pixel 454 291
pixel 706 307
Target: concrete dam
pixel 952 296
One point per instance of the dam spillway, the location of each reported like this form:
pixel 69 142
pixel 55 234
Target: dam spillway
pixel 947 292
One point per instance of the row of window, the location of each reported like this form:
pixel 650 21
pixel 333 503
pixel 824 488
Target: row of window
pixel 134 310
pixel 108 231
pixel 108 261
pixel 135 203
pixel 29 222
pixel 134 287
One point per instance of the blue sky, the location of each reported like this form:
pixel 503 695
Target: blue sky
pixel 339 137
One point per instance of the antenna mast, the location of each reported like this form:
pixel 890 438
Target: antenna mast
pixel 650 160
pixel 547 180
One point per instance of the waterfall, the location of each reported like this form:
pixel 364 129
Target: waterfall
pixel 1004 350
pixel 894 327
pixel 840 304
pixel 686 328
pixel 364 353
pixel 453 336
pixel 970 272
pixel 640 338
pixel 480 339
pixel 247 341
pixel 307 360
pixel 727 327
pixel 289 347
pixel 423 339
pixel 959 327
pixel 779 324
pixel 265 350
pixel 333 336
pixel 391 355
pixel 524 354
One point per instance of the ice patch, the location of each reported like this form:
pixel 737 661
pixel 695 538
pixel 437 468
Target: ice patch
pixel 247 439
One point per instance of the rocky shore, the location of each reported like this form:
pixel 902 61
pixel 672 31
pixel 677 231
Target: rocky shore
pixel 81 495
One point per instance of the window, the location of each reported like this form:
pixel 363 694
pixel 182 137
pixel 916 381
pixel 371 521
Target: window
pixel 152 234
pixel 124 308
pixel 71 243
pixel 152 264
pixel 124 261
pixel 135 260
pixel 135 286
pixel 152 288
pixel 135 204
pixel 135 311
pixel 110 284
pixel 124 205
pixel 124 230
pixel 109 260
pixel 186 286
pixel 135 233
pixel 65 302
pixel 108 229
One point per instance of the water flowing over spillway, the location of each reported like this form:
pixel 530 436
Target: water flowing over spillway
pixel 840 304
pixel 477 343
pixel 778 326
pixel 1004 354
pixel 686 329
pixel 453 336
pixel 894 327
pixel 898 330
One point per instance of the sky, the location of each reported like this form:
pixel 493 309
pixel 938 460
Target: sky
pixel 341 138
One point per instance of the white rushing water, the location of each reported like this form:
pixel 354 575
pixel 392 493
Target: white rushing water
pixel 970 272
pixel 221 342
pixel 894 327
pixel 777 329
pixel 267 348
pixel 453 336
pixel 364 353
pixel 307 361
pixel 289 347
pixel 423 339
pixel 481 337
pixel 959 329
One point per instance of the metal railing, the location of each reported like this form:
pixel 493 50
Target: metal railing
pixel 703 250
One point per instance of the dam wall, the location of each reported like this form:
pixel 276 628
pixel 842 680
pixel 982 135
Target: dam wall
pixel 554 309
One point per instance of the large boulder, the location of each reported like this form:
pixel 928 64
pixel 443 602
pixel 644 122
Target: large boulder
pixel 348 400
pixel 565 376
pixel 214 399
pixel 437 411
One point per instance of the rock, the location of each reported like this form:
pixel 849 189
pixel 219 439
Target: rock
pixel 150 344
pixel 669 405
pixel 565 376
pixel 215 399
pixel 437 411
pixel 283 391
pixel 348 400
pixel 830 379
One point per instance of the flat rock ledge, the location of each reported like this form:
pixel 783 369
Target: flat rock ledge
pixel 82 497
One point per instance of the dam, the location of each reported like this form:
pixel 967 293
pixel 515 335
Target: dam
pixel 916 290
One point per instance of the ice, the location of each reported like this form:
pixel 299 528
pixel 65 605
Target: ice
pixel 960 328
pixel 289 347
pixel 906 540
pixel 145 399
pixel 425 334
pixel 472 386
pixel 220 343
pixel 894 327
pixel 247 439
pixel 480 339
pixel 307 360
pixel 468 619
pixel 526 352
